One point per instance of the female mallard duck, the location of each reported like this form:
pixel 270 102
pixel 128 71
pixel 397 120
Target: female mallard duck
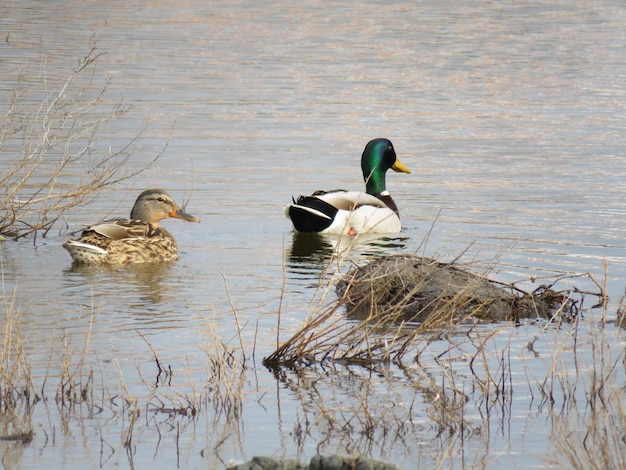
pixel 139 239
pixel 354 212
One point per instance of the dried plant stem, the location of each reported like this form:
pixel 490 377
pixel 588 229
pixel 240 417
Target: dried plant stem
pixel 234 310
pixel 58 168
pixel 17 391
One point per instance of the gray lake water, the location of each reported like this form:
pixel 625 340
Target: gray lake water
pixel 511 115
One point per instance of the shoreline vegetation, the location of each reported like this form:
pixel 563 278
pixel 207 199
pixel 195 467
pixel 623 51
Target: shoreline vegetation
pixel 50 131
pixel 581 397
pixel 409 298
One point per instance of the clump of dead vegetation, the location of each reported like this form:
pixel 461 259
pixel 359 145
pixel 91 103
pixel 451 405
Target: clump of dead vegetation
pixel 462 371
pixel 395 301
pixel 420 289
pixel 50 160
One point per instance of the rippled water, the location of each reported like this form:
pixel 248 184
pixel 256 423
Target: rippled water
pixel 510 115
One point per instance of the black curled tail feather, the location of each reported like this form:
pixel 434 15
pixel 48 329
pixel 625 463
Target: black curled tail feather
pixel 311 214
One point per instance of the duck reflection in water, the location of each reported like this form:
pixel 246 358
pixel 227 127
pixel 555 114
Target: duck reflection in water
pixel 311 253
pixel 146 283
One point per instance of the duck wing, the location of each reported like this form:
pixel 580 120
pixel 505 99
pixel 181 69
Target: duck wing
pixel 350 200
pixel 119 229
pixel 317 212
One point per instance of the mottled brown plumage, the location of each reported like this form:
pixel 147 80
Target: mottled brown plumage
pixel 139 239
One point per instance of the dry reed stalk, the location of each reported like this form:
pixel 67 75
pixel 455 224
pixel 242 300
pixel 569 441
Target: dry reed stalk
pixel 586 399
pixel 239 327
pixel 76 380
pixel 226 379
pixel 163 398
pixel 17 390
pixel 59 166
pixel 130 411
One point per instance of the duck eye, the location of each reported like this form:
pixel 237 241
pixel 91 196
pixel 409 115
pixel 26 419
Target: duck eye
pixel 160 199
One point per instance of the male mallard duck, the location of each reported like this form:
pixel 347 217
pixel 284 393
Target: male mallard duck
pixel 139 239
pixel 353 212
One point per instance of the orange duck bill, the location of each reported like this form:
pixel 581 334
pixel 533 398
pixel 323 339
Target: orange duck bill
pixel 180 214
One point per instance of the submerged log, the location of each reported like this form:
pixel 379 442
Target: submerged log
pixel 417 289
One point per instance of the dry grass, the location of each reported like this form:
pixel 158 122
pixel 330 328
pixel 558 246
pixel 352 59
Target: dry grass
pixel 17 390
pixel 355 392
pixel 82 392
pixel 476 373
pixel 585 395
pixel 48 146
pixel 379 331
pixel 76 378
pixel 456 400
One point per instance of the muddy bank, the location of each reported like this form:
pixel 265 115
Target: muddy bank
pixel 334 462
pixel 412 288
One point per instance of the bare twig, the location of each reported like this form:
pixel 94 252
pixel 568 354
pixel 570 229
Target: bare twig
pixel 60 166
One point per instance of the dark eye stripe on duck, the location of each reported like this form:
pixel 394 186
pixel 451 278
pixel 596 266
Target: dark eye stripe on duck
pixel 389 157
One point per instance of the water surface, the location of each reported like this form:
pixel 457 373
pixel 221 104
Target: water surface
pixel 510 115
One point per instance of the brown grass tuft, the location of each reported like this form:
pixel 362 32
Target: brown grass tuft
pixel 393 303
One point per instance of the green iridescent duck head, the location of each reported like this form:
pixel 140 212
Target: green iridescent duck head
pixel 378 157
